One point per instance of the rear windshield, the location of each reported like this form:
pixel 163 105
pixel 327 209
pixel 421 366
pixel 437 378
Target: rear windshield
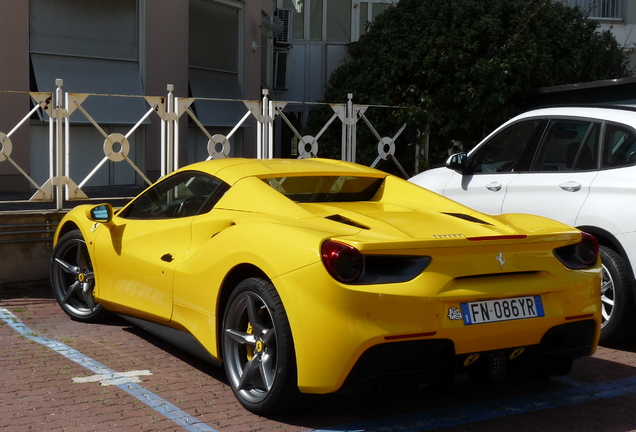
pixel 326 188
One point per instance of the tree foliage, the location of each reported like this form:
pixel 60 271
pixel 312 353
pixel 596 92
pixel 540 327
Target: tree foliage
pixel 464 63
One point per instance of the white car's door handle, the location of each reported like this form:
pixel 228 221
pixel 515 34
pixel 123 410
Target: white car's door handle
pixel 493 187
pixel 570 186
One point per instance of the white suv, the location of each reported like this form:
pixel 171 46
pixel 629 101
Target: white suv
pixel 576 165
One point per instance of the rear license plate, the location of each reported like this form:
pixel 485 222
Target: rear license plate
pixel 502 310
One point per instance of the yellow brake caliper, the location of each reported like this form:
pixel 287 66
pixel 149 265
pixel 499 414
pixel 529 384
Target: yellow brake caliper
pixel 250 350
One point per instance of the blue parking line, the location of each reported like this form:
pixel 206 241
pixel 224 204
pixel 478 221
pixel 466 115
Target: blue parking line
pixel 160 405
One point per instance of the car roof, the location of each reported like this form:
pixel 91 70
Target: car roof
pixel 622 114
pixel 617 113
pixel 231 170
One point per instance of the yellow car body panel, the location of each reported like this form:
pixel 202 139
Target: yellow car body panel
pixel 133 245
pixel 176 271
pixel 342 323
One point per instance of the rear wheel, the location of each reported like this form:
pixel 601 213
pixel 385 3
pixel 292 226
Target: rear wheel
pixel 258 352
pixel 617 301
pixel 73 280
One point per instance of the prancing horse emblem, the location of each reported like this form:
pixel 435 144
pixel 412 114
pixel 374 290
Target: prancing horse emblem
pixel 501 259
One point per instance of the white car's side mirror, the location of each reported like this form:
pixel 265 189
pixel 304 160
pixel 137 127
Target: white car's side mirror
pixel 457 162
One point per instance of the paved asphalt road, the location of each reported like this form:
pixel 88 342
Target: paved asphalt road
pixel 60 375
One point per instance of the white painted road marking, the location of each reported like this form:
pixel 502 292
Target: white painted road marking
pixel 113 379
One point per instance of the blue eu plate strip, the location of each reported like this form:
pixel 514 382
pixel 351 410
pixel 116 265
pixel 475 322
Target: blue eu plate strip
pixel 466 314
pixel 539 305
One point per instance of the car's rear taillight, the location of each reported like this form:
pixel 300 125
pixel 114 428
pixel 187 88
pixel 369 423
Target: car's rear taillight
pixel 581 255
pixel 587 250
pixel 343 262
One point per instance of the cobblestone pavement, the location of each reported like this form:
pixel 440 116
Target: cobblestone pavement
pixel 38 391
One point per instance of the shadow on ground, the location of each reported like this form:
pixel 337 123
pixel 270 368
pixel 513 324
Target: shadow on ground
pixel 26 290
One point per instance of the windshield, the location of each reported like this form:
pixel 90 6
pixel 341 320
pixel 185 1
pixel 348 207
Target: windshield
pixel 326 188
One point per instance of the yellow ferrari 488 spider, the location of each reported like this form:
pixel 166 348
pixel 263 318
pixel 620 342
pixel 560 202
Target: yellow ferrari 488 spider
pixel 317 276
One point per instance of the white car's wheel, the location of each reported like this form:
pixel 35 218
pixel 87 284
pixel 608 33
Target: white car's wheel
pixel 617 301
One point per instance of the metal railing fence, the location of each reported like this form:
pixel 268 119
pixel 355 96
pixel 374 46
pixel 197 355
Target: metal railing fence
pixel 58 106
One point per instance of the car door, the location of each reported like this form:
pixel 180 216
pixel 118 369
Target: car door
pixel 135 261
pixel 493 165
pixel 562 170
pixel 606 206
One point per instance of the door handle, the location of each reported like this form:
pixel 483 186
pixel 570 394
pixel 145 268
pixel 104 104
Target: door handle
pixel 494 186
pixel 571 186
pixel 167 257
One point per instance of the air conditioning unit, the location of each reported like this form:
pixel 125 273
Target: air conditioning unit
pixel 280 69
pixel 285 36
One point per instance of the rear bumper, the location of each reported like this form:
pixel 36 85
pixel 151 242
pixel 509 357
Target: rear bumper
pixel 336 328
pixel 403 364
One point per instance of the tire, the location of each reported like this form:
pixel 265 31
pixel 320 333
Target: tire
pixel 617 300
pixel 72 279
pixel 258 351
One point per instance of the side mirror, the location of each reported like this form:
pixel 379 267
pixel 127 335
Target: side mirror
pixel 457 162
pixel 102 214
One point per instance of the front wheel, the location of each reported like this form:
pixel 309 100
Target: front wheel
pixel 258 352
pixel 72 279
pixel 617 301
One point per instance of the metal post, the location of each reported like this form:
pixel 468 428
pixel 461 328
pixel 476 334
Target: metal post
pixel 350 121
pixel 163 147
pixel 52 149
pixel 343 138
pixel 270 130
pixel 59 145
pixel 170 131
pixel 354 129
pixel 67 146
pixel 263 134
pixel 176 133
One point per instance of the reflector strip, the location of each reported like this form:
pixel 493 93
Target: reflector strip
pixel 409 336
pixel 578 317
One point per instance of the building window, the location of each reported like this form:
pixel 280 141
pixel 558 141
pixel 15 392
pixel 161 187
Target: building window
pixel 215 60
pixel 94 48
pixel 315 20
pixel 333 21
pixel 599 9
pixel 369 10
pixel 104 29
pixel 214 38
pixel 338 21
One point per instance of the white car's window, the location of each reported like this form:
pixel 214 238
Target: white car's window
pixel 619 148
pixel 504 151
pixel 568 145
